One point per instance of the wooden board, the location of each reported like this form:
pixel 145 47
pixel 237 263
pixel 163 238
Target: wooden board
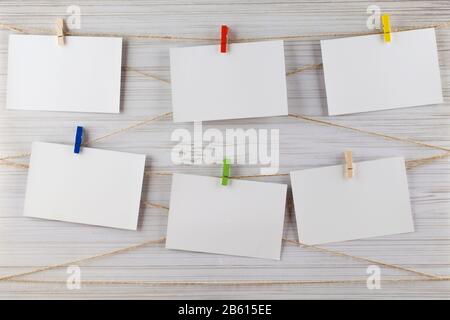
pixel 29 243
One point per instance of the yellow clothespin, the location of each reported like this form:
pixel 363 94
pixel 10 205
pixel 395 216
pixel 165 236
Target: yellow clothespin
pixel 385 22
pixel 60 31
pixel 348 167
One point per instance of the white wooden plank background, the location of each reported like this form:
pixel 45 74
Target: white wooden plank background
pixel 28 243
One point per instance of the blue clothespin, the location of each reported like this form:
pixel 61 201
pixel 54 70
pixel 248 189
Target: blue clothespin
pixel 78 140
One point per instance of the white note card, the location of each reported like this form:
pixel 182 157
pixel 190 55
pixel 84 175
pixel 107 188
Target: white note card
pixel 331 208
pixel 244 218
pixel 248 81
pixel 367 74
pixel 83 75
pixel 96 187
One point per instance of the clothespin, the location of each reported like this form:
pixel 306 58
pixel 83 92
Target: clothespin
pixel 224 39
pixel 78 140
pixel 386 25
pixel 348 167
pixel 226 171
pixel 60 31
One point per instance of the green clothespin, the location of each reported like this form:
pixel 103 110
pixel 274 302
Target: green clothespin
pixel 226 172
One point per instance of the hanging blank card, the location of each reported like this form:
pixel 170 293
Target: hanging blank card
pixel 97 187
pixel 331 208
pixel 366 74
pixel 248 81
pixel 83 75
pixel 244 218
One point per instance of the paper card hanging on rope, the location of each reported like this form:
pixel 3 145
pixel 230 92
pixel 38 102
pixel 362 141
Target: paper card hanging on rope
pixel 367 74
pixel 244 219
pixel 331 208
pixel 97 187
pixel 83 75
pixel 249 81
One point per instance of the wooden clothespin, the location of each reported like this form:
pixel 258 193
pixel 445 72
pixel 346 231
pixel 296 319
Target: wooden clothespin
pixel 78 140
pixel 224 39
pixel 60 31
pixel 386 25
pixel 226 172
pixel 349 169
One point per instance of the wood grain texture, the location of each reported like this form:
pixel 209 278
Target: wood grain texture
pixel 28 243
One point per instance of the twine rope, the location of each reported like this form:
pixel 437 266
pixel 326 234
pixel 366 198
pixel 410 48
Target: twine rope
pixel 225 282
pixel 6 160
pixel 162 37
pixel 425 276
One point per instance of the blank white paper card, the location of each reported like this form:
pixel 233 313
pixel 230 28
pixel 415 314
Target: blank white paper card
pixel 83 75
pixel 244 218
pixel 367 74
pixel 248 81
pixel 97 187
pixel 331 208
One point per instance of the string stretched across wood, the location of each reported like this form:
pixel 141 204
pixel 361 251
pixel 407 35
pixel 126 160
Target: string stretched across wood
pixel 7 160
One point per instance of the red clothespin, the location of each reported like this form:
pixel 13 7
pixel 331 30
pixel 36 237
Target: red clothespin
pixel 224 39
